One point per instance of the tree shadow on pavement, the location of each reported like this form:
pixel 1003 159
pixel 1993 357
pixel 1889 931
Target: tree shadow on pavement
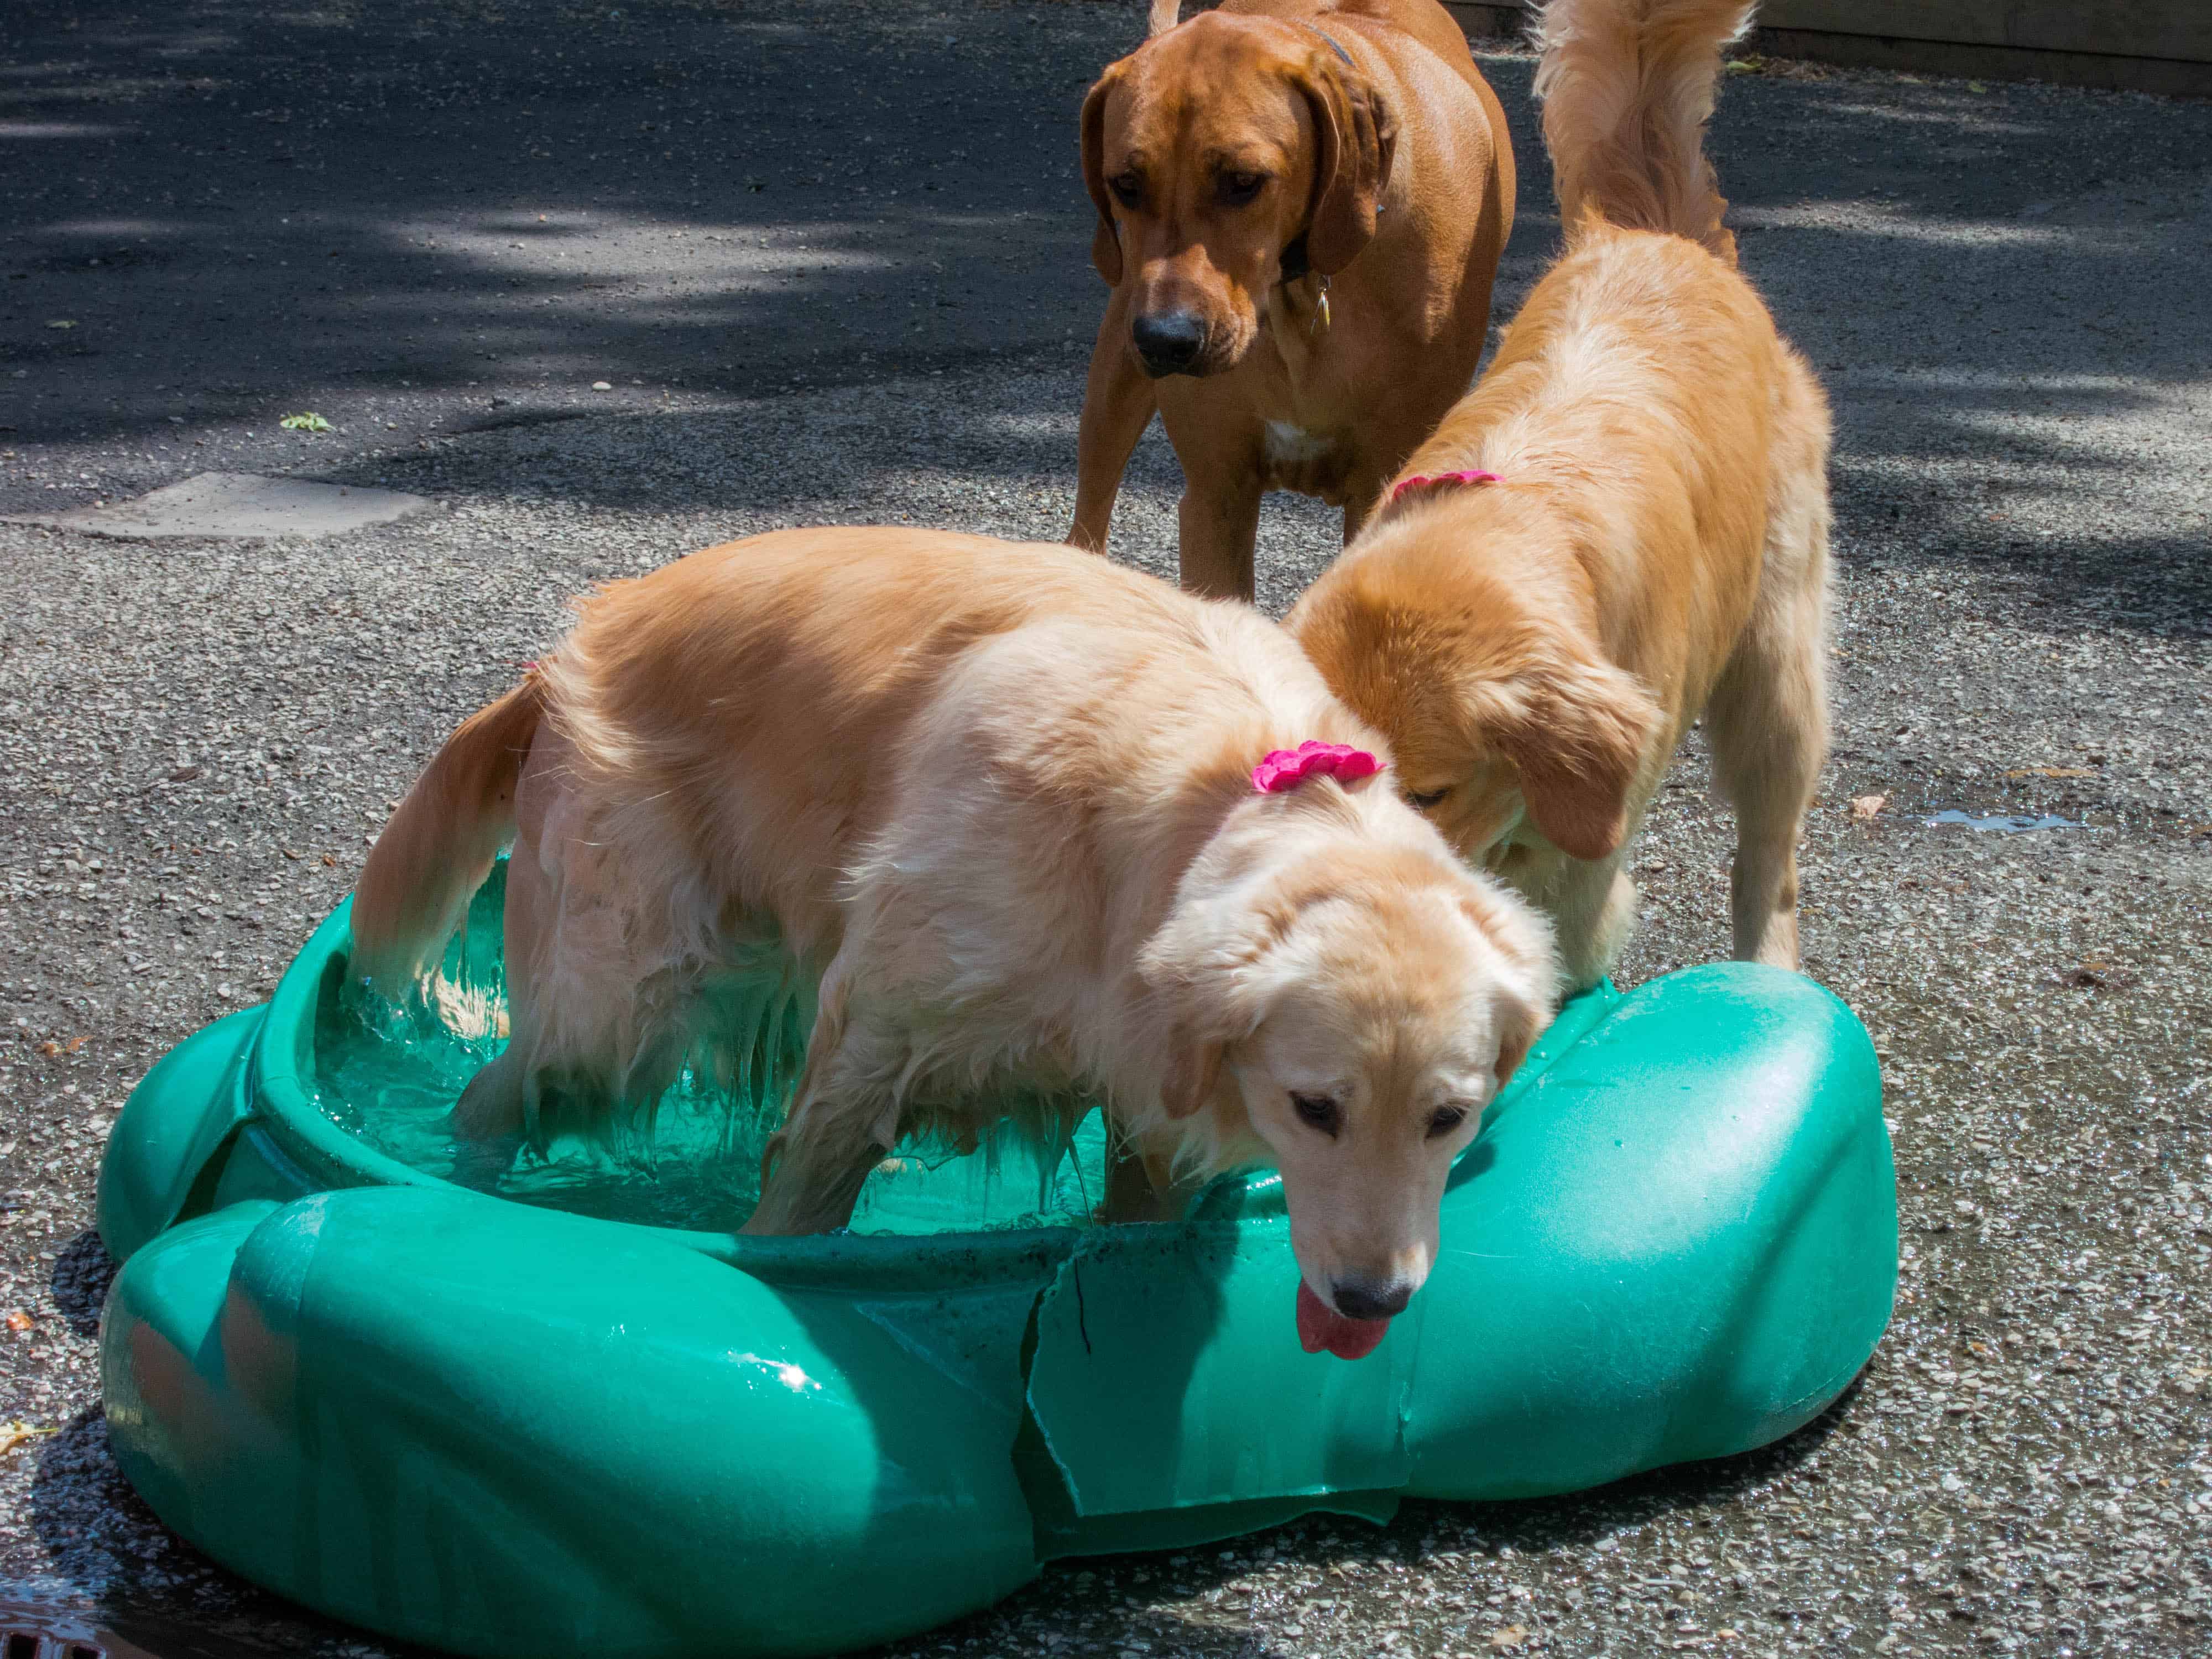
pixel 82 1272
pixel 242 211
pixel 233 203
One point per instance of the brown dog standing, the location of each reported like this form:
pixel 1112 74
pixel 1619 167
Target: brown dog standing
pixel 1301 205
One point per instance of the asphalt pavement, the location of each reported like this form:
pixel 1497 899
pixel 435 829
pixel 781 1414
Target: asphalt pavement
pixel 610 282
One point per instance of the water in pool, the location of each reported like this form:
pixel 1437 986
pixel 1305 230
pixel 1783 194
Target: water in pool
pixel 390 1076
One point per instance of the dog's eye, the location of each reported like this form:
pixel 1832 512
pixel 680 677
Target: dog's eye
pixel 1129 189
pixel 1422 801
pixel 1446 1119
pixel 1237 189
pixel 1320 1111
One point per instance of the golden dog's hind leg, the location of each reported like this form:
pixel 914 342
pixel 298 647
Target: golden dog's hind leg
pixel 1768 718
pixel 490 1107
pixel 489 1120
pixel 1117 405
pixel 1768 725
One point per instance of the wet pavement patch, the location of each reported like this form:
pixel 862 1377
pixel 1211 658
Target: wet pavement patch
pixel 32 1632
pixel 68 1625
pixel 2009 823
pixel 241 507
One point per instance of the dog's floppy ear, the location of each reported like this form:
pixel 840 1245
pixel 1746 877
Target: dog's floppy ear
pixel 1528 997
pixel 1203 971
pixel 1192 1074
pixel 1355 137
pixel 1577 732
pixel 1105 240
pixel 1519 1025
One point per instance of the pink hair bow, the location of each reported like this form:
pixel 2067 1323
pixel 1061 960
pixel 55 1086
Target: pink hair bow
pixel 1285 770
pixel 1431 480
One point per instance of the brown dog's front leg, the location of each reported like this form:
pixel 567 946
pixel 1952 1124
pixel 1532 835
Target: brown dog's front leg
pixel 1117 405
pixel 1360 501
pixel 1219 519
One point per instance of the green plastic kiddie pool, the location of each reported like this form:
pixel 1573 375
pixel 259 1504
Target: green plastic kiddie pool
pixel 568 1411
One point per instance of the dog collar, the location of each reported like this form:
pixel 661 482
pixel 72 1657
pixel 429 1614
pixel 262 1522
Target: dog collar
pixel 1334 47
pixel 1436 480
pixel 1296 267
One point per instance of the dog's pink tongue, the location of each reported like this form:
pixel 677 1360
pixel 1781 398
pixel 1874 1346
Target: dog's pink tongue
pixel 1321 1327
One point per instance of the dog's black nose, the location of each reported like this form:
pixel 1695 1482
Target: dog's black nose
pixel 1364 1298
pixel 1169 342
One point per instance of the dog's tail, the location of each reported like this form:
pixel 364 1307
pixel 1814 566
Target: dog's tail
pixel 1628 88
pixel 1165 15
pixel 439 845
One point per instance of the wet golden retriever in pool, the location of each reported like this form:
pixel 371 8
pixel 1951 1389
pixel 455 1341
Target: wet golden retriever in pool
pixel 1625 526
pixel 1300 207
pixel 1001 799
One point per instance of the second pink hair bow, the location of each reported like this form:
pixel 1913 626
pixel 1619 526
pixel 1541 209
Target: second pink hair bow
pixel 1285 770
pixel 1431 480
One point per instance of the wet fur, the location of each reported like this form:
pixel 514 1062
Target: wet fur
pixel 993 802
pixel 1658 550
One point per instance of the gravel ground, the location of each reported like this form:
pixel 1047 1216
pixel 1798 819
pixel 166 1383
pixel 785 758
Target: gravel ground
pixel 831 265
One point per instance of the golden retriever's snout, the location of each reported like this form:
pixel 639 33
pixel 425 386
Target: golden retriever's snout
pixel 1358 1297
pixel 1169 342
